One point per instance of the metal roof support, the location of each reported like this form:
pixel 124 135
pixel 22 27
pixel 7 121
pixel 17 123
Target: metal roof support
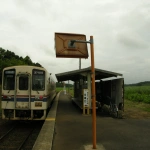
pixel 89 88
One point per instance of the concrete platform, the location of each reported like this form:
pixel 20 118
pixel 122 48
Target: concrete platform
pixel 70 130
pixel 79 103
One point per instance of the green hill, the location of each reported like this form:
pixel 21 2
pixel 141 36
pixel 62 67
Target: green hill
pixel 145 83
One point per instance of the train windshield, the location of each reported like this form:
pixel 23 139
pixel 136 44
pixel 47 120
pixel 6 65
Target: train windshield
pixel 9 79
pixel 23 83
pixel 38 80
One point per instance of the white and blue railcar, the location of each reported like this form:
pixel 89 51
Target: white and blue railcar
pixel 27 92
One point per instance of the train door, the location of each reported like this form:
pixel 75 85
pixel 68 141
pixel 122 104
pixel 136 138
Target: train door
pixel 23 91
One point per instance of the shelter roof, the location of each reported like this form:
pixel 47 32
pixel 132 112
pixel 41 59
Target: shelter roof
pixel 78 74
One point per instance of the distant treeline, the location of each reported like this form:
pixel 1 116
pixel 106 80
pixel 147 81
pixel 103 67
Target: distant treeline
pixel 145 83
pixel 8 58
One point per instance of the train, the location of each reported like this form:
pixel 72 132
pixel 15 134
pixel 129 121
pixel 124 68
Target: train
pixel 27 92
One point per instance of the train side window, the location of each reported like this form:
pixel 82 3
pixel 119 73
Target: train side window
pixel 23 83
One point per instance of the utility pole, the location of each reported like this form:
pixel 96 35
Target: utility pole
pixel 79 63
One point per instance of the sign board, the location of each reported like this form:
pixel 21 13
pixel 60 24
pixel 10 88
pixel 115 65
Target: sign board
pixel 85 98
pixel 65 49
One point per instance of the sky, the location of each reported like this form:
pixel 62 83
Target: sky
pixel 120 28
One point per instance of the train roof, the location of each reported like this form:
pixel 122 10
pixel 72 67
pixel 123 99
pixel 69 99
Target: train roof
pixel 10 67
pixel 76 74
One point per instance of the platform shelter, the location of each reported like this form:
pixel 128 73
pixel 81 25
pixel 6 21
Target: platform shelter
pixel 106 86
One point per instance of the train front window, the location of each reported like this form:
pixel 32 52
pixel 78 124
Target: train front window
pixel 38 80
pixel 23 83
pixel 9 79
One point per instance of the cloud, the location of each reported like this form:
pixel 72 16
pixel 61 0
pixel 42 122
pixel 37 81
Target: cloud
pixel 132 40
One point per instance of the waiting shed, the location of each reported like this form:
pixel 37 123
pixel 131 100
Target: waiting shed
pixel 104 88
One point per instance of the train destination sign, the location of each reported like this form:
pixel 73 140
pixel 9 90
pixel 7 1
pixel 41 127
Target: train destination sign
pixel 38 72
pixel 67 49
pixel 9 72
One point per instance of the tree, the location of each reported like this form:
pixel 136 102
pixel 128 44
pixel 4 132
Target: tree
pixel 8 58
pixel 28 61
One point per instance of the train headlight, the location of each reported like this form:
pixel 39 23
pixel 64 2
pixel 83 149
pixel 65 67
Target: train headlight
pixel 38 97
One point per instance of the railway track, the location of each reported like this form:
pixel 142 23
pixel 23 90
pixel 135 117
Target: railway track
pixel 21 136
pixel 9 131
pixel 5 126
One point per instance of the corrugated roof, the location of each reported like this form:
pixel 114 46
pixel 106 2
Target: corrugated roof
pixel 78 74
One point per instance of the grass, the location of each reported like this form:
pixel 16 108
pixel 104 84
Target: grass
pixel 137 101
pixel 58 89
pixel 136 109
pixel 138 93
pixel 137 105
pixel 70 90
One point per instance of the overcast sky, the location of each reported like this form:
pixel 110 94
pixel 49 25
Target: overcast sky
pixel 121 31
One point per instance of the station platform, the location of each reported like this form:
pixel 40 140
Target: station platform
pixel 66 128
